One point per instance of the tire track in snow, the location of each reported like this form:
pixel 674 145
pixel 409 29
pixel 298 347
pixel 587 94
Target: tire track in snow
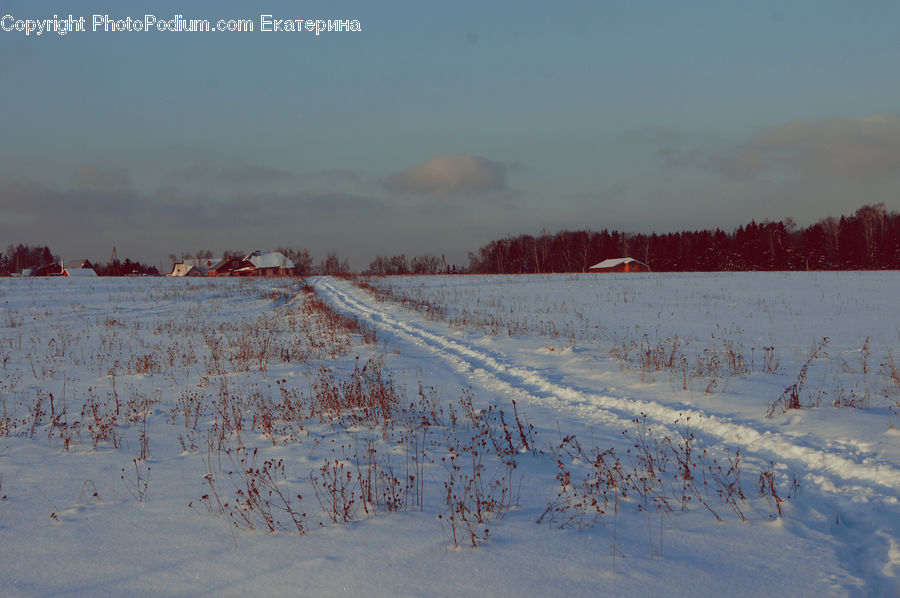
pixel 830 471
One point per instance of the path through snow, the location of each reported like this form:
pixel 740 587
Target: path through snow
pixel 845 480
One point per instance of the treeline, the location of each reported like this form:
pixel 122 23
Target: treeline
pixel 23 257
pixel 125 268
pixel 40 260
pixel 399 264
pixel 867 240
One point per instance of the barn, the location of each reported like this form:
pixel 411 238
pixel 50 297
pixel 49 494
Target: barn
pixel 621 264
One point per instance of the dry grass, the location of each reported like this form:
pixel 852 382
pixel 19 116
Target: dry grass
pixel 372 448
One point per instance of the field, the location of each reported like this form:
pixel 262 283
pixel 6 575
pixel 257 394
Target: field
pixel 566 435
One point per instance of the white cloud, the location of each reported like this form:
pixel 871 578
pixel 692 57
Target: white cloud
pixel 450 174
pixel 858 149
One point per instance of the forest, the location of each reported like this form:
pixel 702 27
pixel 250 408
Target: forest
pixel 869 239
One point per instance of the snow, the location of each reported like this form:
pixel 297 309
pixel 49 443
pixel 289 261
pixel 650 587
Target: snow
pixel 269 259
pixel 580 356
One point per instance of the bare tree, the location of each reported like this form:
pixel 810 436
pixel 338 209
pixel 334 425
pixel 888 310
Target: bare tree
pixel 399 265
pixel 301 258
pixel 203 254
pixel 233 254
pixel 302 262
pixel 333 265
pixel 832 229
pixel 425 264
pixel 380 266
pixel 872 220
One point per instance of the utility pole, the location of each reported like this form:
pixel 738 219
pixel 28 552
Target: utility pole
pixel 114 263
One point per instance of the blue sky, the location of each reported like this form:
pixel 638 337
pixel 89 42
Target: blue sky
pixel 438 128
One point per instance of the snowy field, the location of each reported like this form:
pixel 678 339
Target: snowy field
pixel 566 435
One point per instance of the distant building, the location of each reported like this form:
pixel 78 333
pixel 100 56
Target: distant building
pixel 226 267
pixel 78 268
pixel 191 267
pixel 61 268
pixel 267 263
pixel 258 263
pixel 50 269
pixel 79 264
pixel 621 264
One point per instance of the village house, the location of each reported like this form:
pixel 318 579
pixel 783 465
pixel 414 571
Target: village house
pixel 78 268
pixel 622 264
pixel 191 267
pixel 225 267
pixel 51 269
pixel 258 263
pixel 269 263
pixel 61 268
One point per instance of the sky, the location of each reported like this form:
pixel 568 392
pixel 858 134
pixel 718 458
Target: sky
pixel 438 127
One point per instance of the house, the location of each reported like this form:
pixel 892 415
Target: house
pixel 191 267
pixel 267 263
pixel 50 269
pixel 79 264
pixel 258 263
pixel 622 264
pixel 226 267
pixel 79 268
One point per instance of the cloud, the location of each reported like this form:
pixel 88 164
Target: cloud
pixel 38 211
pixel 676 149
pixel 238 173
pixel 79 222
pixel 195 172
pixel 92 175
pixel 246 173
pixel 450 174
pixel 241 175
pixel 34 210
pixel 856 149
pixel 334 175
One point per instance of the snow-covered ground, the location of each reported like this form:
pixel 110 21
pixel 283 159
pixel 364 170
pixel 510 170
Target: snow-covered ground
pixel 154 430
